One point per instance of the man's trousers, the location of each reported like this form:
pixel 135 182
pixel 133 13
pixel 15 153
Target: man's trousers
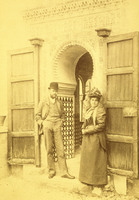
pixel 53 135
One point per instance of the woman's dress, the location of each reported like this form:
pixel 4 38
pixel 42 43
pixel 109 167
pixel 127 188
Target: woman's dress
pixel 93 164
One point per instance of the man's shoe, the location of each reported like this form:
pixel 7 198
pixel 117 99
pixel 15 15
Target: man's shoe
pixel 67 175
pixel 51 175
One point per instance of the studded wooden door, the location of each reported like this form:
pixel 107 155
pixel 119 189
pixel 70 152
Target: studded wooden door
pixel 122 69
pixel 22 101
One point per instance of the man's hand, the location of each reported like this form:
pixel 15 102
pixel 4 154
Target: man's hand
pixel 40 122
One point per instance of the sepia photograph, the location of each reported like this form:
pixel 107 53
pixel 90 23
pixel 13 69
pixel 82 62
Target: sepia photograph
pixel 69 100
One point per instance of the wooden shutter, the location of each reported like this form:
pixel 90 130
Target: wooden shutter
pixel 122 103
pixel 22 101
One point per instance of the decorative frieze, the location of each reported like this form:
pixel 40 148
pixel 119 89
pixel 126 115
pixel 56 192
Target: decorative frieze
pixel 74 8
pixel 77 27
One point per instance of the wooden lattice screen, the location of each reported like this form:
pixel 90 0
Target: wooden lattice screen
pixel 67 128
pixel 78 131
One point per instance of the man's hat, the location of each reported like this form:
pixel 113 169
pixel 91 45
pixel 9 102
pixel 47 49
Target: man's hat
pixel 53 85
pixel 95 93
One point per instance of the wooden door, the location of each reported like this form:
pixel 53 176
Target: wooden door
pixel 122 103
pixel 22 101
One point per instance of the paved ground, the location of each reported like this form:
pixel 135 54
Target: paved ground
pixel 33 184
pixel 39 187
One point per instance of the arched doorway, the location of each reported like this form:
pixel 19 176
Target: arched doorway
pixel 83 73
pixel 73 68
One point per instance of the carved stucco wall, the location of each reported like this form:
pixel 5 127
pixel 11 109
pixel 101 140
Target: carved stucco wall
pixel 73 24
pixel 59 22
pixel 76 17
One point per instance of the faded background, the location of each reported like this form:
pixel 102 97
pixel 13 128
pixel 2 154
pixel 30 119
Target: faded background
pixel 15 32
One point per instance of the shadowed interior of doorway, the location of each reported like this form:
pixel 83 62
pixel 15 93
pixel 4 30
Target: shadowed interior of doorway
pixel 83 73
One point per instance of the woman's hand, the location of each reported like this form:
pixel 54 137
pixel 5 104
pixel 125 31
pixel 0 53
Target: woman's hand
pixel 84 131
pixel 88 130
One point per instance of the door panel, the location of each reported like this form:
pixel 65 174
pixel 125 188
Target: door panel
pixel 23 119
pixel 23 147
pixel 22 101
pixel 117 124
pixel 115 91
pixel 120 155
pixel 120 54
pixel 22 64
pixel 22 92
pixel 122 103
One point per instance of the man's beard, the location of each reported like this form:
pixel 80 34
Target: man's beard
pixel 53 96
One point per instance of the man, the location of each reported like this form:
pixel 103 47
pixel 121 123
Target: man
pixel 50 116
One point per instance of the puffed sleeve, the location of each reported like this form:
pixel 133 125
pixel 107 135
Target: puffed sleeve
pixel 100 121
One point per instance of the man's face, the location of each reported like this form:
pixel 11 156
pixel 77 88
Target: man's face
pixel 53 93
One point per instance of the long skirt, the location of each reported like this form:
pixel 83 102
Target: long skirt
pixel 93 164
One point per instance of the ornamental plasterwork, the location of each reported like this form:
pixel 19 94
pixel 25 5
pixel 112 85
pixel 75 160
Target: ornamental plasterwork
pixel 61 46
pixel 74 8
pixel 77 27
pixel 60 49
pixel 91 41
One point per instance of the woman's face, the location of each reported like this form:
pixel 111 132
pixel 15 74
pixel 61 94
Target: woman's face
pixel 94 102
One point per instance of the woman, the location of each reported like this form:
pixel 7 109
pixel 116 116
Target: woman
pixel 93 164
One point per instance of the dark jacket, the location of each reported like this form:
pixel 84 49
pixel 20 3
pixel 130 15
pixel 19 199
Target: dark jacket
pixel 43 110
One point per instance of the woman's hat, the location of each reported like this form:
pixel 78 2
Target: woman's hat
pixel 95 93
pixel 53 85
